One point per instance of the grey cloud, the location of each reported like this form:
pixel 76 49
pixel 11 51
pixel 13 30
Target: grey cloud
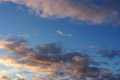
pixel 49 59
pixel 49 56
pixel 110 54
pixel 106 74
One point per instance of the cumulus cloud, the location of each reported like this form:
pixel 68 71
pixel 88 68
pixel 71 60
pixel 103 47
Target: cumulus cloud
pixel 63 34
pixel 39 59
pixel 48 61
pixel 82 10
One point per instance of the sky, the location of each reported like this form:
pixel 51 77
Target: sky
pixel 59 40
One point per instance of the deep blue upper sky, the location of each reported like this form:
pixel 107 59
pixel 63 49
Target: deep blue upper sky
pixel 16 22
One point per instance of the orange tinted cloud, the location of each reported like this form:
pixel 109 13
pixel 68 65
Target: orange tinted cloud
pixel 3 77
pixel 60 65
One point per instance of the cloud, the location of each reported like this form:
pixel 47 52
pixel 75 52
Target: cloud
pixel 92 47
pixel 109 75
pixel 5 37
pixel 39 60
pixel 1 71
pixel 110 54
pixel 14 73
pixel 63 34
pixel 92 11
pixel 3 77
pixel 48 61
pixel 20 79
pixel 77 58
pixel 20 75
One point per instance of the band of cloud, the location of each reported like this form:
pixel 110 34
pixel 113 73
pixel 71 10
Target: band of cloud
pixel 82 10
pixel 51 60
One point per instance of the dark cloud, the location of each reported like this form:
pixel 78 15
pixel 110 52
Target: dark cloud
pixel 106 74
pixel 49 59
pixel 110 54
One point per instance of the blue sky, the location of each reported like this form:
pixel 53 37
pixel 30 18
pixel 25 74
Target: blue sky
pixel 79 32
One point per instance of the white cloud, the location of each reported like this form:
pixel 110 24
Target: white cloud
pixel 82 10
pixel 63 34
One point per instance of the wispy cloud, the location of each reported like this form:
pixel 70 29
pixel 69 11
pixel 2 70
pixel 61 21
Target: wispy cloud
pixel 110 54
pixel 106 11
pixel 92 47
pixel 63 34
pixel 5 36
